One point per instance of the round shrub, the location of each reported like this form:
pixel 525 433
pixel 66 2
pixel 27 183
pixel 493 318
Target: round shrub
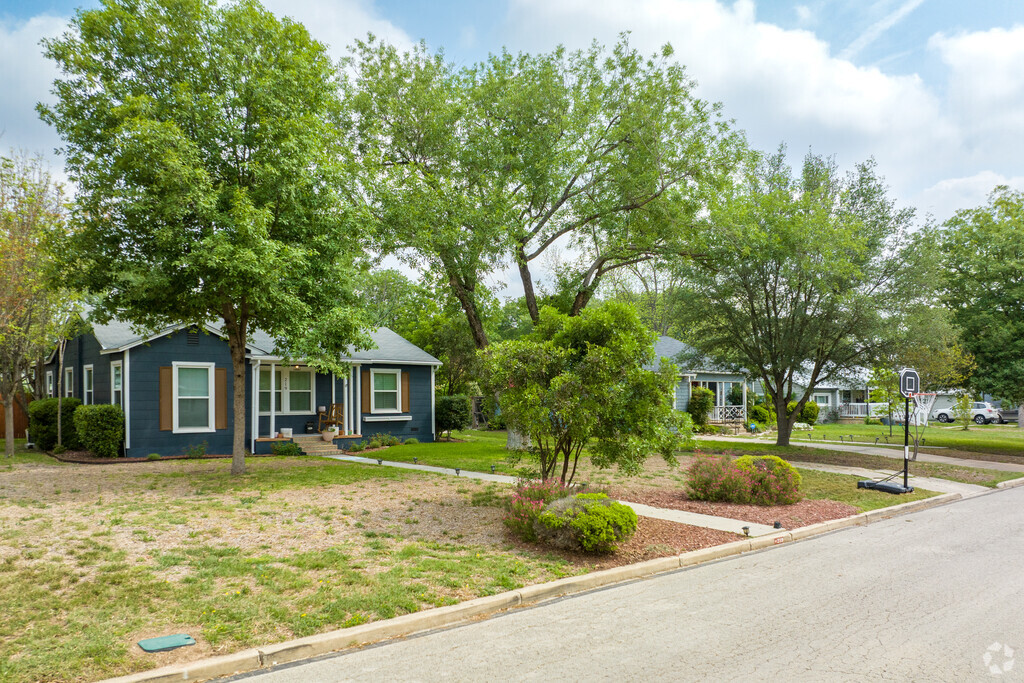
pixel 527 502
pixel 590 522
pixel 758 414
pixel 42 423
pixel 773 481
pixel 100 429
pixel 810 412
pixel 702 402
pixel 716 479
pixel 412 440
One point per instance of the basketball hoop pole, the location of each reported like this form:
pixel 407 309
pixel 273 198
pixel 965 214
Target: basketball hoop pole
pixel 906 443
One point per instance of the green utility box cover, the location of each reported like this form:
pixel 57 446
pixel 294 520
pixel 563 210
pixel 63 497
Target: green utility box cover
pixel 166 642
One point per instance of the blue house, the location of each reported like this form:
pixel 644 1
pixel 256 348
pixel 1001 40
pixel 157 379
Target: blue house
pixel 728 386
pixel 175 387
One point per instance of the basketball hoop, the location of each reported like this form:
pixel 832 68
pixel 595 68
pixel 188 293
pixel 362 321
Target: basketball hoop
pixel 923 402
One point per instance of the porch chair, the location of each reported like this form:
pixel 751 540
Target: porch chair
pixel 334 415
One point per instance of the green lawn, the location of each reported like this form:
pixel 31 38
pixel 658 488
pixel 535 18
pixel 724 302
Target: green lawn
pixel 1005 440
pixel 843 489
pixel 798 454
pixel 473 450
pixel 23 456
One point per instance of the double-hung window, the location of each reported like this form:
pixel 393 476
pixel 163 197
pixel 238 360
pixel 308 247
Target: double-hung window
pixel 49 384
pixel 386 388
pixel 116 384
pixel 193 397
pixel 69 382
pixel 292 390
pixel 87 385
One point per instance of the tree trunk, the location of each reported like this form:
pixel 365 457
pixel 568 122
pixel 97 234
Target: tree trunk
pixel 528 292
pixel 9 424
pixel 236 330
pixel 465 297
pixel 515 441
pixel 1020 416
pixel 580 302
pixel 784 422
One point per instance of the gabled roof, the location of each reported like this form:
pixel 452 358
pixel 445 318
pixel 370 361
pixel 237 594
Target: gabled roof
pixel 672 349
pixel 390 347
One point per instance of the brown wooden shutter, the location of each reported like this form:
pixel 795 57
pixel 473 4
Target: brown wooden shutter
pixel 221 393
pixel 405 391
pixel 366 391
pixel 166 399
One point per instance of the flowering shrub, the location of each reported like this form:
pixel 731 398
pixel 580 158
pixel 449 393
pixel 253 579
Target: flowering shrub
pixel 527 503
pixel 751 479
pixel 773 481
pixel 716 479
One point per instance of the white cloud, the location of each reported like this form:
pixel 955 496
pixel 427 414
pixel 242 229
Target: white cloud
pixel 780 85
pixel 946 197
pixel 986 90
pixel 338 22
pixel 25 79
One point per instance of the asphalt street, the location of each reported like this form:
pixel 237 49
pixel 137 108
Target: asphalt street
pixel 936 595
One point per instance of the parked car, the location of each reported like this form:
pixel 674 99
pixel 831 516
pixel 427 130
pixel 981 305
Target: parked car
pixel 981 412
pixel 1007 415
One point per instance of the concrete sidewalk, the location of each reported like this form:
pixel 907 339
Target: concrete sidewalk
pixel 928 483
pixel 681 516
pixel 893 453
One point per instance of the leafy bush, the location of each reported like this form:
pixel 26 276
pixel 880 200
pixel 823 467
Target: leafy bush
pixel 773 481
pixel 42 423
pixel 411 440
pixel 497 422
pixel 388 439
pixel 100 429
pixel 527 502
pixel 872 420
pixel 714 478
pixel 196 450
pixel 808 414
pixel 831 416
pixel 357 447
pixel 374 443
pixel 702 402
pixel 452 412
pixel 286 448
pixel 153 456
pixel 758 414
pixel 591 522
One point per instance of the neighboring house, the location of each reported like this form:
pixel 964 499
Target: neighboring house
pixel 176 388
pixel 729 387
pixel 848 394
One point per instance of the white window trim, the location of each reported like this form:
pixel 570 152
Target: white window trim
pixel 286 399
pixel 387 418
pixel 374 410
pixel 69 381
pixel 113 389
pixel 49 384
pixel 88 387
pixel 212 397
pixel 827 397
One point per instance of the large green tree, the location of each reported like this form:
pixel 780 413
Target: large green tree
pixel 984 289
pixel 605 155
pixel 579 382
pixel 804 276
pixel 204 142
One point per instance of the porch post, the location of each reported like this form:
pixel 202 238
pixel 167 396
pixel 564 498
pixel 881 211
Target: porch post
pixel 255 411
pixel 273 399
pixel 359 400
pixel 347 401
pixel 744 400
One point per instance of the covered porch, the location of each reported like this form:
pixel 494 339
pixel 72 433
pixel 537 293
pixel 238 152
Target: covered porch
pixel 730 399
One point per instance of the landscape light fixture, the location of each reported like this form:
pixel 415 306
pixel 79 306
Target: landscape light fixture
pixel 746 531
pixel 380 461
pixel 415 460
pixel 492 469
pixel 777 525
pixel 457 470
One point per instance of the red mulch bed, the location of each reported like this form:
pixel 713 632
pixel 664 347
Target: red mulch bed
pixel 804 513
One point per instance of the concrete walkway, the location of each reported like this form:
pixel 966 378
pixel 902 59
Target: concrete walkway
pixel 692 518
pixel 928 483
pixel 895 454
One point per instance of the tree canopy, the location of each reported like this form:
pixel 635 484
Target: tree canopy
pixel 606 154
pixel 802 277
pixel 984 289
pixel 204 141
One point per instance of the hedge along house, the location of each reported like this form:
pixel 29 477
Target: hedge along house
pixel 175 388
pixel 729 387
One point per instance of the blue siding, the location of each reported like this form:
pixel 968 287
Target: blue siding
pixel 79 352
pixel 419 425
pixel 144 363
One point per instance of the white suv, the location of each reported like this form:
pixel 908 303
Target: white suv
pixel 981 412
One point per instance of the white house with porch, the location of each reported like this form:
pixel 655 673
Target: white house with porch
pixel 728 386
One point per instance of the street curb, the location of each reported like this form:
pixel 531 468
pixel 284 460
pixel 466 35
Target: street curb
pixel 1010 483
pixel 408 624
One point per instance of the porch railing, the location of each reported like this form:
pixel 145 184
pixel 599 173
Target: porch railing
pixel 859 409
pixel 729 414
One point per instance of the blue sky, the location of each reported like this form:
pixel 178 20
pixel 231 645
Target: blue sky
pixel 933 89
